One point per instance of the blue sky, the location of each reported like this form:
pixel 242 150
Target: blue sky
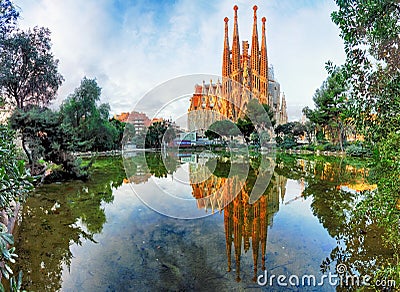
pixel 132 46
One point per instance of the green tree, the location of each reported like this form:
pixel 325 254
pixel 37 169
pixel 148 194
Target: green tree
pixel 330 111
pixel 211 135
pixel 246 127
pixel 45 141
pixel 224 128
pixel 87 124
pixel 288 134
pixel 155 134
pixel 35 125
pixel 260 114
pixel 120 127
pixel 370 30
pixel 262 119
pixel 15 180
pixel 309 130
pixel 28 70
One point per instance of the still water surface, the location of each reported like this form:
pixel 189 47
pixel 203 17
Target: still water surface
pixel 99 236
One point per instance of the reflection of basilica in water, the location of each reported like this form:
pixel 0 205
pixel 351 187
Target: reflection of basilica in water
pixel 246 225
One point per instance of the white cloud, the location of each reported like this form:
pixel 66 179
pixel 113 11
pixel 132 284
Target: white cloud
pixel 131 51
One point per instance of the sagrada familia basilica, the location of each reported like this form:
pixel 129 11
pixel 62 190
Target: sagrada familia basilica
pixel 245 75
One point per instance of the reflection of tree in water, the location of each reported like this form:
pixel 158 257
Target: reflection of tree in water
pixel 160 166
pixel 58 215
pixel 246 225
pixel 142 165
pixel 336 187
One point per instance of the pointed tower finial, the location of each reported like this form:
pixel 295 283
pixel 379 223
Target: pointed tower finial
pixel 255 57
pixel 226 61
pixel 264 66
pixel 236 49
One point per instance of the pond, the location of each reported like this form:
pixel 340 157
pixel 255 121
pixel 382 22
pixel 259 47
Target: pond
pixel 110 233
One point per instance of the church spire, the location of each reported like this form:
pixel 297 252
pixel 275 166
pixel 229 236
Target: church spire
pixel 264 66
pixel 254 58
pixel 226 61
pixel 235 46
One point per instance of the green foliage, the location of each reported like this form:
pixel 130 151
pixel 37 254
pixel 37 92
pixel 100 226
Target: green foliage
pixel 15 180
pixel 246 127
pixel 260 115
pixel 384 205
pixel 224 128
pixel 169 134
pixel 129 132
pixel 155 135
pixel 28 70
pixel 7 254
pixel 8 17
pixel 287 134
pixel 309 130
pixel 211 135
pixel 331 111
pixel 16 284
pixel 86 124
pixel 357 150
pixel 370 30
pixel 45 141
pixel 288 142
pixel 120 127
pixel 159 166
pixel 15 184
pixel 320 137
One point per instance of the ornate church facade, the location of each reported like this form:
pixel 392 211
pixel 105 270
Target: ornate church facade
pixel 245 75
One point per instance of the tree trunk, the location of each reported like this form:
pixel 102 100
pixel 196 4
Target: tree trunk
pixel 341 137
pixel 30 160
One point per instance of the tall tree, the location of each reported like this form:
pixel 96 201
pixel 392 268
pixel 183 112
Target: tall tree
pixel 330 105
pixel 371 30
pixel 371 33
pixel 28 70
pixel 155 134
pixel 86 123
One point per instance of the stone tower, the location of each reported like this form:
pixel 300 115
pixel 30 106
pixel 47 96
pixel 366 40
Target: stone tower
pixel 249 71
pixel 245 75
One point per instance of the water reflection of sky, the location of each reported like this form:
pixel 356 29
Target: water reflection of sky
pixel 139 249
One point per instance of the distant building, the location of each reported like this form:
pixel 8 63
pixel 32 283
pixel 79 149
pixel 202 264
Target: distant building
pixel 123 117
pixel 245 75
pixel 157 120
pixel 140 121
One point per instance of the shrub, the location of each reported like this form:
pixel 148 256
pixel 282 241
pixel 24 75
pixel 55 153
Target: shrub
pixel 287 143
pixel 357 151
